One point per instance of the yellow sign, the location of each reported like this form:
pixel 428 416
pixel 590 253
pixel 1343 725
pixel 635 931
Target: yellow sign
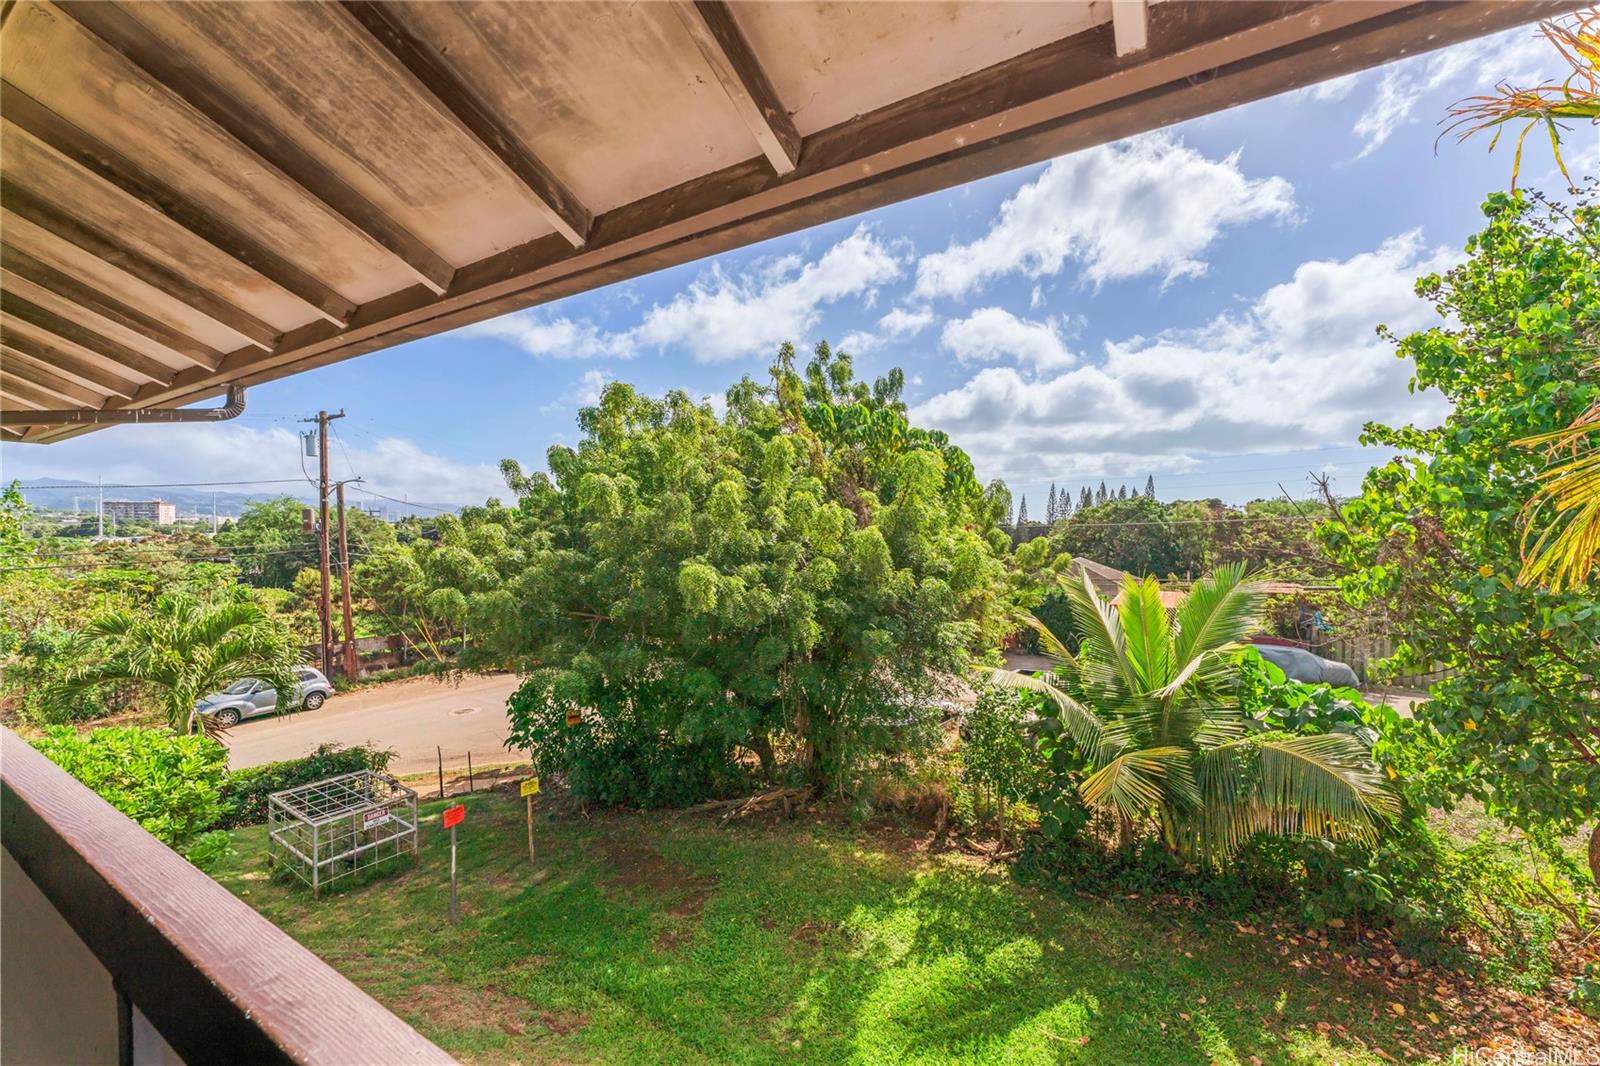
pixel 530 786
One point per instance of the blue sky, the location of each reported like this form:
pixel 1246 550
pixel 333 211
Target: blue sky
pixel 1197 304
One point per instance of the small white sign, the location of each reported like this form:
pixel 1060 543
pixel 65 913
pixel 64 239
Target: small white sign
pixel 374 818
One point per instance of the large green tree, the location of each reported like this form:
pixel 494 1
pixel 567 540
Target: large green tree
pixel 1434 537
pixel 1132 533
pixel 792 579
pixel 442 585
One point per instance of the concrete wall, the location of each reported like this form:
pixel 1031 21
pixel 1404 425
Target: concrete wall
pixel 56 1000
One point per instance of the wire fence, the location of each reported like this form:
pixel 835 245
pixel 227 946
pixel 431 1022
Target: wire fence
pixel 1363 654
pixel 463 772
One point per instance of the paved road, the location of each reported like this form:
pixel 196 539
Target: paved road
pixel 414 717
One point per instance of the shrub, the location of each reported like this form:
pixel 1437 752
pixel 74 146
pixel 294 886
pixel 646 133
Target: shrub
pixel 629 752
pixel 1000 764
pixel 165 782
pixel 244 792
pixel 210 848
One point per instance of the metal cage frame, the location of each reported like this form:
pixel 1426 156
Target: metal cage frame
pixel 336 827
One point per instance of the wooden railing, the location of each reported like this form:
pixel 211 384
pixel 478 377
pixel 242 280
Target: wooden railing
pixel 212 978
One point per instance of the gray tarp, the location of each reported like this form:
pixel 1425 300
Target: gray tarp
pixel 1302 665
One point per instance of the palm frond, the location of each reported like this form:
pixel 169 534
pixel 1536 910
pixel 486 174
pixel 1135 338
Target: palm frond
pixel 1220 610
pixel 1134 783
pixel 1086 730
pixel 1100 629
pixel 1053 648
pixel 1324 785
pixel 1146 632
pixel 1566 550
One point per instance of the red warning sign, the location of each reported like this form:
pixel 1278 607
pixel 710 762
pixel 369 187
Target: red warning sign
pixel 454 815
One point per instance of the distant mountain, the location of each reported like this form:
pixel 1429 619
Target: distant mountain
pixel 57 494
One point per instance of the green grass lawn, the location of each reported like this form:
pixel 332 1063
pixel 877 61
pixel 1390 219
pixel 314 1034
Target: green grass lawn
pixel 654 938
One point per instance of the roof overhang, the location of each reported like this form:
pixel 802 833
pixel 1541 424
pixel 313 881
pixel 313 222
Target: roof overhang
pixel 204 195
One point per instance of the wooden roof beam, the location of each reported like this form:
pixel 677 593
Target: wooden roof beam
pixel 717 35
pixel 113 26
pixel 455 100
pixel 1130 25
pixel 18 371
pixel 33 209
pixel 16 262
pixel 20 347
pixel 93 157
pixel 136 363
pixel 17 393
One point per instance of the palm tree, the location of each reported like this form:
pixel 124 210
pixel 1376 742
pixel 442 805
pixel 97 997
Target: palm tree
pixel 185 649
pixel 1565 545
pixel 1576 38
pixel 1167 742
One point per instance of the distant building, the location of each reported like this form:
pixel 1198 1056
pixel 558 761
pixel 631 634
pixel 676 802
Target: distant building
pixel 156 512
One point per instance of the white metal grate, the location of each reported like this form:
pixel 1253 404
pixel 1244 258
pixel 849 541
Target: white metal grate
pixel 340 826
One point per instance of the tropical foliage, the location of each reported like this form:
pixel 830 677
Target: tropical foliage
pixel 1149 702
pixel 1576 39
pixel 166 783
pixel 792 580
pixel 1434 536
pixel 184 648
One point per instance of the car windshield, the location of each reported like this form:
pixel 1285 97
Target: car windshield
pixel 239 688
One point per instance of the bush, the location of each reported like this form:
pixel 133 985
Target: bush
pixel 244 792
pixel 629 752
pixel 165 782
pixel 1476 908
pixel 1000 765
pixel 210 848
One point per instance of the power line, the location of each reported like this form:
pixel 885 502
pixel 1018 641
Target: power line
pixel 407 503
pixel 113 564
pixel 162 485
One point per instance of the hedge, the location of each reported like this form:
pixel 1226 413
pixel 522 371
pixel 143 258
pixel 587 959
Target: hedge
pixel 244 792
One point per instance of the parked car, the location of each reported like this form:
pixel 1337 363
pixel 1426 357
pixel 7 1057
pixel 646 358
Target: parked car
pixel 247 697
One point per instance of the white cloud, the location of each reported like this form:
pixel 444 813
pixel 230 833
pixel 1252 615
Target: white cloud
pixel 1301 368
pixel 720 316
pixel 1516 56
pixel 858 342
pixel 557 338
pixel 1148 205
pixel 904 322
pixel 585 392
pixel 236 451
pixel 993 333
pixel 1327 92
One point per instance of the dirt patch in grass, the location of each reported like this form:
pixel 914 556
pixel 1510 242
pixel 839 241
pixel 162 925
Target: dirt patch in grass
pixel 810 933
pixel 460 1007
pixel 637 867
pixel 563 1023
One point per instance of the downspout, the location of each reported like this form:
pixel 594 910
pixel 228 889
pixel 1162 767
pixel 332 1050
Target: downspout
pixel 232 407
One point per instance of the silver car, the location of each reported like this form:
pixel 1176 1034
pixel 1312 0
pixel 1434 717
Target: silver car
pixel 247 697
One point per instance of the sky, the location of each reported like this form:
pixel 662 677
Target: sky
pixel 1198 305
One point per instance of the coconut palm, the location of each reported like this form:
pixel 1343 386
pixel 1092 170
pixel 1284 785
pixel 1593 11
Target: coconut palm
pixel 185 649
pixel 1576 38
pixel 1561 523
pixel 1154 713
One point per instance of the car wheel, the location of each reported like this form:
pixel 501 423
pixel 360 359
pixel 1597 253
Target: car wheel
pixel 313 701
pixel 227 719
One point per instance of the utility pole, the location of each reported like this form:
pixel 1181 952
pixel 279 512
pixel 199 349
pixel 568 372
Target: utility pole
pixel 322 420
pixel 351 663
pixel 99 506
